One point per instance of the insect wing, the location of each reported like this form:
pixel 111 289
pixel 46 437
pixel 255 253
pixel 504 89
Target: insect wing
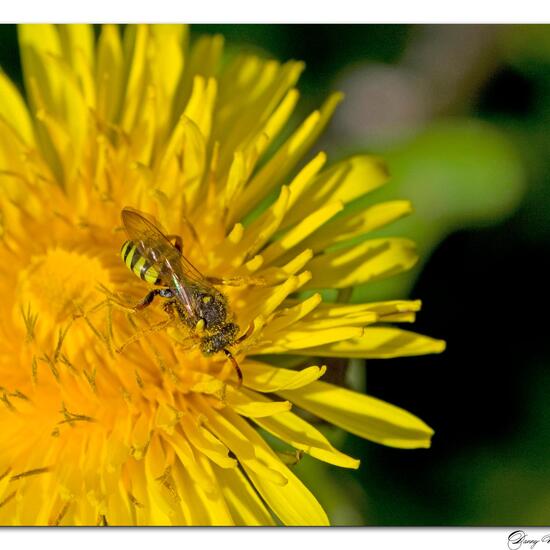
pixel 178 284
pixel 157 248
pixel 150 241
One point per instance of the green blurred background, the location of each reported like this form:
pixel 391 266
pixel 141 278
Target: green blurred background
pixel 462 115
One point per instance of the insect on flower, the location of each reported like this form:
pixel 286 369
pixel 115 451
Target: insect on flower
pixel 192 297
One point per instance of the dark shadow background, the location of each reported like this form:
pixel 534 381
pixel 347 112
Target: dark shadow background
pixel 415 93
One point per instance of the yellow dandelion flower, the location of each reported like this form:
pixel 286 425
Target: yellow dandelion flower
pixel 105 417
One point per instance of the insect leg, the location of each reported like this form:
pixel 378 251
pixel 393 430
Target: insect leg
pixel 154 328
pixel 178 243
pixel 114 300
pixel 229 355
pixel 237 281
pixel 148 299
pixel 164 292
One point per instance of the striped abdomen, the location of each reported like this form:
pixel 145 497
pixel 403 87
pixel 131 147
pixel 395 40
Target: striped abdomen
pixel 139 264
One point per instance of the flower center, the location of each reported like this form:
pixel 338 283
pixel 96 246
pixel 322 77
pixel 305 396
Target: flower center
pixel 61 283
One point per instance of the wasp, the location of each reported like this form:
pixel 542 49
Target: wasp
pixel 191 297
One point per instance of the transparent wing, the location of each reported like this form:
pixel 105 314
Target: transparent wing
pixel 157 248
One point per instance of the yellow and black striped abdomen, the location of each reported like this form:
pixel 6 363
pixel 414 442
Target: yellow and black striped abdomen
pixel 139 264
